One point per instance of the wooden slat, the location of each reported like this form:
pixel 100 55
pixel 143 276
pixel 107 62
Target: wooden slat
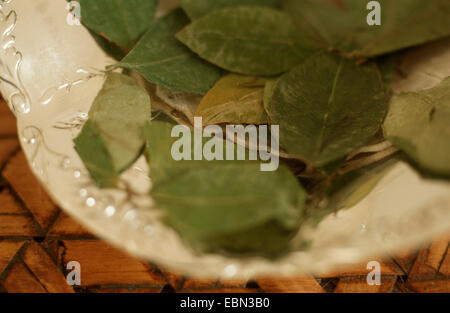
pixel 445 266
pixel 9 205
pixel 53 247
pixel 7 121
pixel 405 259
pixel 223 290
pixel 7 147
pixel 17 225
pixel 191 284
pixel 102 264
pixel 126 289
pixel 430 286
pixel 20 279
pixel 14 219
pixel 302 284
pixel 65 226
pixel 232 283
pixel 18 174
pixel 174 279
pixel 8 250
pixel 360 285
pixel 387 267
pixel 45 270
pixel 429 259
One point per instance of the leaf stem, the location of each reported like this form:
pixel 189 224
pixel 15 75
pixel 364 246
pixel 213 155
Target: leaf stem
pixel 359 163
pixel 370 149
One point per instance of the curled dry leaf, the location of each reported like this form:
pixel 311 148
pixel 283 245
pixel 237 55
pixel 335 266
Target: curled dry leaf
pixel 235 99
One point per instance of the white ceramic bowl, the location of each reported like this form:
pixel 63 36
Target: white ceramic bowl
pixel 50 74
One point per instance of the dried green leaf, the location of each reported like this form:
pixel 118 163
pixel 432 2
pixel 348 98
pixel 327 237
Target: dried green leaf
pixel 92 150
pixel 118 21
pixel 163 60
pixel 255 41
pixel 113 138
pixel 198 8
pixel 327 107
pixel 235 99
pixel 342 24
pixel 419 124
pixel 228 212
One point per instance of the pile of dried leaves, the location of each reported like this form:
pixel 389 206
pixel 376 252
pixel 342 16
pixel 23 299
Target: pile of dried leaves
pixel 315 68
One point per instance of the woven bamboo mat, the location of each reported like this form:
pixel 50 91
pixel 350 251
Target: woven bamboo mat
pixel 37 240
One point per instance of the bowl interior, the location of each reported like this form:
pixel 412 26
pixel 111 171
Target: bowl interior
pixel 57 74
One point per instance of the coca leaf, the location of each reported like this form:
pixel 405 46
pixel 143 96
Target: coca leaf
pixel 161 59
pixel 342 24
pixel 327 107
pixel 255 41
pixel 113 138
pixel 235 99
